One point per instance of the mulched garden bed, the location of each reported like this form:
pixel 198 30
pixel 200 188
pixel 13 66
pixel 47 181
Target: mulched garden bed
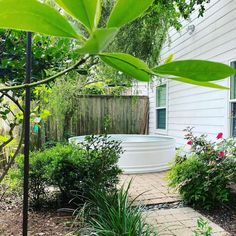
pixel 41 223
pixel 224 216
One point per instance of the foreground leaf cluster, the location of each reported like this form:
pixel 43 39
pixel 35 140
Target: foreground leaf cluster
pixel 32 15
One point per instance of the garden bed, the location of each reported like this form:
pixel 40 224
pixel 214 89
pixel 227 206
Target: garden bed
pixel 41 223
pixel 225 216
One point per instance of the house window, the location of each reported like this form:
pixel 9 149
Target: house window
pixel 161 107
pixel 233 101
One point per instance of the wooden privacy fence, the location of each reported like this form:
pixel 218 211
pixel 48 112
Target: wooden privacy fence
pixel 94 114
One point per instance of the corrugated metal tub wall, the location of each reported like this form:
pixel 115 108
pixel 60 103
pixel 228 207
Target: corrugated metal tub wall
pixel 142 153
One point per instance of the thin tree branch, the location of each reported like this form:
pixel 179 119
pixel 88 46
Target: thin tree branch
pixel 89 83
pixel 47 80
pixel 13 100
pixel 10 139
pixel 10 163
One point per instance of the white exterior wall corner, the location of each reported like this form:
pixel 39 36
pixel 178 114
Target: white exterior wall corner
pixel 205 109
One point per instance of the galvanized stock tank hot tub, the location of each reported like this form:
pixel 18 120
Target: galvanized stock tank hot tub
pixel 142 153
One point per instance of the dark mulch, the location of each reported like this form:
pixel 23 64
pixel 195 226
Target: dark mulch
pixel 41 223
pixel 225 216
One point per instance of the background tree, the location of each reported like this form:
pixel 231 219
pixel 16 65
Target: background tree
pixel 145 36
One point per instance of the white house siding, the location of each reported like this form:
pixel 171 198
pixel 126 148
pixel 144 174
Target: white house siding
pixel 205 109
pixel 140 88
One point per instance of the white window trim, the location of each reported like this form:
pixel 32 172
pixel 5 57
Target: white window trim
pixel 230 105
pixel 162 131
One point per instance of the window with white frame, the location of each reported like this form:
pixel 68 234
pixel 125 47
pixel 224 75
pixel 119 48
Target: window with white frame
pixel 161 107
pixel 233 101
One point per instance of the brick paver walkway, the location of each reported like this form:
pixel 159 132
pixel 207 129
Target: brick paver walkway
pixel 178 222
pixel 152 188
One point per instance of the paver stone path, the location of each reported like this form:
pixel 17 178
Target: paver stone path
pixel 152 189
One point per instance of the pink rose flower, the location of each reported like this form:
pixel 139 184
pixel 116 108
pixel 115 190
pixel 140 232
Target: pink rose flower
pixel 190 142
pixel 219 135
pixel 221 154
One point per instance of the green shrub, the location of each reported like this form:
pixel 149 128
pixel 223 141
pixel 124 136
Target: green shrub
pixel 73 168
pixel 38 178
pixel 111 213
pixel 91 165
pixel 204 175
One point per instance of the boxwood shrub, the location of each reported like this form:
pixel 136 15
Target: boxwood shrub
pixel 72 168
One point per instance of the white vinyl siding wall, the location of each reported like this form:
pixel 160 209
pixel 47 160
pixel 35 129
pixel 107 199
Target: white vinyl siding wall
pixel 206 109
pixel 233 102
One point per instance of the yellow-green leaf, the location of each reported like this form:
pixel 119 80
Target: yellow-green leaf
pixel 45 114
pixel 31 15
pixel 126 11
pixel 88 12
pixel 128 64
pixel 197 70
pixel 98 41
pixel 199 83
pixel 169 59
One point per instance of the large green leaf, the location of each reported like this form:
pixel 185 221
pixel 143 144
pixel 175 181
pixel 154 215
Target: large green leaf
pixel 88 12
pixel 197 70
pixel 125 11
pixel 31 15
pixel 98 41
pixel 204 84
pixel 128 64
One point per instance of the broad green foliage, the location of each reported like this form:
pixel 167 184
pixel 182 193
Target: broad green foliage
pixel 125 11
pixel 199 83
pixel 198 70
pixel 88 12
pixel 98 41
pixel 31 15
pixel 127 64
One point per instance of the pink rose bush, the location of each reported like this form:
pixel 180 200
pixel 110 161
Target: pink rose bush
pixel 203 175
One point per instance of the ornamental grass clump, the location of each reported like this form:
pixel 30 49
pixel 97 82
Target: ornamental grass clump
pixel 203 176
pixel 113 213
